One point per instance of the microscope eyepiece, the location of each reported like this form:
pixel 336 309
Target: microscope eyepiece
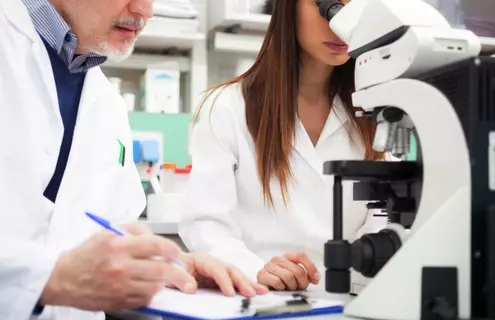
pixel 329 8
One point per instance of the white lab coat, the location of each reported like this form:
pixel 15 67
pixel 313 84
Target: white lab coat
pixel 225 213
pixel 33 231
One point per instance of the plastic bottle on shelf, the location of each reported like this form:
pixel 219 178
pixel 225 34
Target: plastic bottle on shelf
pixel 167 177
pixel 181 178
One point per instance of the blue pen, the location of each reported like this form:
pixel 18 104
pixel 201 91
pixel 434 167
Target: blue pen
pixel 107 225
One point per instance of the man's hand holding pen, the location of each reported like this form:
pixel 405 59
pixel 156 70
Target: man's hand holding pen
pixel 109 272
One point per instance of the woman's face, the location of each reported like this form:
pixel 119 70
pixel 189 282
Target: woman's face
pixel 315 37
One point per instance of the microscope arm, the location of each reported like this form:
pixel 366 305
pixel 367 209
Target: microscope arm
pixel 355 23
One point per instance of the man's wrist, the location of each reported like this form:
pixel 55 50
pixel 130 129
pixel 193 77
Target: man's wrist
pixel 53 292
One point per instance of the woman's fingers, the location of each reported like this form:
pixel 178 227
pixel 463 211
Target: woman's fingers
pixel 271 281
pixel 276 269
pixel 299 273
pixel 243 285
pixel 303 259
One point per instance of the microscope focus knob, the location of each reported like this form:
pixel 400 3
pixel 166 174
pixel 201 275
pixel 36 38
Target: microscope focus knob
pixel 337 263
pixel 372 251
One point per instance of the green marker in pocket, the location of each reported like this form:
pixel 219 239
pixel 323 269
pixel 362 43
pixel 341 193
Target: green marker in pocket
pixel 121 153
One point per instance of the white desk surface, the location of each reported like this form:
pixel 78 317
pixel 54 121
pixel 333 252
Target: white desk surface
pixel 345 298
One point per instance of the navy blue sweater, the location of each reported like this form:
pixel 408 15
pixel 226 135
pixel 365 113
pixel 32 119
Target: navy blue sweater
pixel 69 89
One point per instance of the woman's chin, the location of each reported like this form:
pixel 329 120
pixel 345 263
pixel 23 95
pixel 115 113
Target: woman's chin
pixel 336 59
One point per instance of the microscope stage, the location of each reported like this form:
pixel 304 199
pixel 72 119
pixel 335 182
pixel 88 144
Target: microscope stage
pixel 382 171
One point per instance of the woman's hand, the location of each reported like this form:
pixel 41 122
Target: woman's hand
pixel 211 273
pixel 292 271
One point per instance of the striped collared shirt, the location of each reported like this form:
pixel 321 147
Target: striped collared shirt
pixel 56 32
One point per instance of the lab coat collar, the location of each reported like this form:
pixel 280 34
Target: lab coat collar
pixel 337 118
pixel 18 15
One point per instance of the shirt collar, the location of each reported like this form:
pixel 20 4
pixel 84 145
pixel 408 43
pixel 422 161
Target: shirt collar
pixel 49 23
pixel 52 27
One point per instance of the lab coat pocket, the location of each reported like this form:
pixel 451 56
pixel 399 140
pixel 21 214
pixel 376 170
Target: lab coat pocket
pixel 110 179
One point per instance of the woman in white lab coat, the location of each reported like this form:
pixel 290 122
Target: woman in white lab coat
pixel 257 197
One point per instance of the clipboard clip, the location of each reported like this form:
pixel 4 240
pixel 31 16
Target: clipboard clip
pixel 298 303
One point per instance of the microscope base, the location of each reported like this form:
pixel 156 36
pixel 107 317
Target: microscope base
pixel 358 282
pixel 397 293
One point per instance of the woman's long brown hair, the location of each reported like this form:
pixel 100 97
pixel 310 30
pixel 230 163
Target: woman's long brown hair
pixel 270 89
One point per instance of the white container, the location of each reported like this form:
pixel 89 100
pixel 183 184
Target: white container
pixel 130 100
pixel 167 177
pixel 165 207
pixel 180 179
pixel 160 88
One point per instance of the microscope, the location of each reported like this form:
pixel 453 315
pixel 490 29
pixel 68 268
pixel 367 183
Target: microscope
pixel 415 75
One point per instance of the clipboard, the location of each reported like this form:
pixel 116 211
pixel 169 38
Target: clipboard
pixel 212 305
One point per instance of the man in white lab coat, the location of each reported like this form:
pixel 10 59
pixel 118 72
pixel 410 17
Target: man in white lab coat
pixel 66 150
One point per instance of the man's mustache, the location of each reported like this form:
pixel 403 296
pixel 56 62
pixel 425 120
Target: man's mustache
pixel 130 23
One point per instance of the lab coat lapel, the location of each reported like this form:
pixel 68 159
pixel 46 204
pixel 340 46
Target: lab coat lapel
pixel 48 79
pixel 337 118
pixel 84 137
pixel 74 193
pixel 303 145
pixel 19 18
pixel 93 89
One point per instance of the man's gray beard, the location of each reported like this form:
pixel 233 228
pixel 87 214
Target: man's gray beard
pixel 103 48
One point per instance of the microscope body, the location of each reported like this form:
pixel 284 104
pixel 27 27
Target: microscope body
pixel 416 75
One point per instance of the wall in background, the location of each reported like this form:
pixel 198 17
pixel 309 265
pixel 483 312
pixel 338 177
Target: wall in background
pixel 413 148
pixel 175 130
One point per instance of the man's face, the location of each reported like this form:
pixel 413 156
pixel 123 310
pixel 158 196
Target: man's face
pixel 106 27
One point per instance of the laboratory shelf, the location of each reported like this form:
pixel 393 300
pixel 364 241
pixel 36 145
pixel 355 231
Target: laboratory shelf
pixel 162 228
pixel 139 61
pixel 156 36
pixel 251 43
pixel 249 21
pixel 236 43
pixel 227 14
